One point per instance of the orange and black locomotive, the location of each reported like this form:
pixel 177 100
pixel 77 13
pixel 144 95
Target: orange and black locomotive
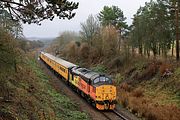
pixel 96 88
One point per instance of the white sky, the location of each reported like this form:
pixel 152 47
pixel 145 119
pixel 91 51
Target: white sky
pixel 53 28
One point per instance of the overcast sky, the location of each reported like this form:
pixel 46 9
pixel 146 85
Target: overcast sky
pixel 53 28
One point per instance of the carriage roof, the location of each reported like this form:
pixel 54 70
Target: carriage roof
pixel 59 60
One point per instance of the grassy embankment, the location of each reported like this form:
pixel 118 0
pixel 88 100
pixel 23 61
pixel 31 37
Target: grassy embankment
pixel 149 93
pixel 27 95
pixel 144 88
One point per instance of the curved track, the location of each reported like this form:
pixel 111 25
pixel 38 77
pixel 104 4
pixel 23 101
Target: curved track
pixel 114 115
pixel 120 115
pixel 60 86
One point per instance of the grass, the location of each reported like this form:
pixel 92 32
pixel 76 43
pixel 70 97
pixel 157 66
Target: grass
pixel 38 71
pixel 32 97
pixel 118 78
pixel 153 97
pixel 69 110
pixel 177 98
pixel 149 106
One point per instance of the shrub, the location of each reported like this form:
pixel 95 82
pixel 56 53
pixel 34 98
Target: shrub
pixel 71 50
pixel 118 78
pixel 123 98
pixel 133 105
pixel 144 107
pixel 117 62
pixel 150 116
pixel 125 87
pixel 84 51
pixel 124 101
pixel 138 92
pixel 177 71
pixel 94 55
pixel 149 71
pixel 164 67
pixel 99 68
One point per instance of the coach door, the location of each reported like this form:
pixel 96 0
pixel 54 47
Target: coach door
pixel 70 76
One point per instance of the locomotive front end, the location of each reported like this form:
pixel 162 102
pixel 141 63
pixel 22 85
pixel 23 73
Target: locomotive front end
pixel 105 93
pixel 105 97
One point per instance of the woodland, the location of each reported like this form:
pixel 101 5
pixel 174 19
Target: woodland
pixel 141 58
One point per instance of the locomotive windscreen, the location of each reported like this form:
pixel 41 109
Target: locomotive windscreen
pixel 102 80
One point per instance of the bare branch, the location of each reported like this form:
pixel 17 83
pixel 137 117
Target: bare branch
pixel 35 12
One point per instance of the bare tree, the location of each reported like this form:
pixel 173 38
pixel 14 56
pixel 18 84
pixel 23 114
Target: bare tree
pixel 89 29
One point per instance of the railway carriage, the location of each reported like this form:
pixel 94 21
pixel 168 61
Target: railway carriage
pixel 96 88
pixel 59 65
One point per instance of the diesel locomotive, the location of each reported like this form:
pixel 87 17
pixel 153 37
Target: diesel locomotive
pixel 95 87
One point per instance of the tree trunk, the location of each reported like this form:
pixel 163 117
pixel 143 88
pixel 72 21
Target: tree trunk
pixel 172 49
pixel 132 50
pixel 119 40
pixel 159 50
pixel 140 50
pixel 164 52
pixel 154 51
pixel 177 31
pixel 148 53
pixel 145 51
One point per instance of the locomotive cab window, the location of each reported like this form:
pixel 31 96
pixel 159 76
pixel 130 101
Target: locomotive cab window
pixel 96 81
pixel 102 79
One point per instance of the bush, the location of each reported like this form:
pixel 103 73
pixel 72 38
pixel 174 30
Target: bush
pixel 163 67
pixel 124 100
pixel 71 50
pixel 8 51
pixel 84 51
pixel 125 87
pixel 99 68
pixel 117 62
pixel 138 92
pixel 144 107
pixel 148 71
pixel 118 78
pixel 177 72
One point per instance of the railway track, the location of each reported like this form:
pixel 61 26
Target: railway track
pixel 114 115
pixel 109 115
pixel 61 87
pixel 120 115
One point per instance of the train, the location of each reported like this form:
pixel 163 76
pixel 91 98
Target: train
pixel 96 88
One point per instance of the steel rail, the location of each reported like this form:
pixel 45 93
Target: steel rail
pixel 120 115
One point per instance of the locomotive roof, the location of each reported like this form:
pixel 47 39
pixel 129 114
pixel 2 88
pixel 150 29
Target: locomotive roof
pixel 86 73
pixel 59 60
pixel 91 75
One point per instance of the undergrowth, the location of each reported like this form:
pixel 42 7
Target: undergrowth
pixel 149 92
pixel 27 94
pixel 99 68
